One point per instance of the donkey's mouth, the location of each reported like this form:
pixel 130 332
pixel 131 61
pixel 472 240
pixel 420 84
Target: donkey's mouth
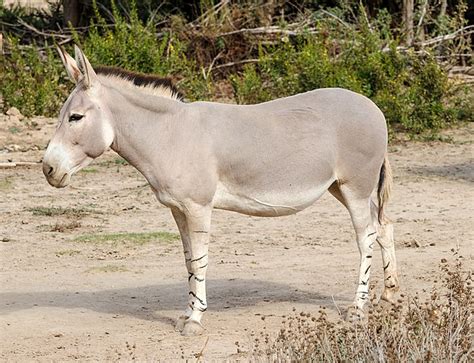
pixel 60 183
pixel 64 180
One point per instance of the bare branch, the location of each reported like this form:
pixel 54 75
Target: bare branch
pixel 270 30
pixel 231 64
pixel 34 30
pixel 460 32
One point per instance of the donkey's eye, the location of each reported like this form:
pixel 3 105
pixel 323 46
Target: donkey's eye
pixel 75 117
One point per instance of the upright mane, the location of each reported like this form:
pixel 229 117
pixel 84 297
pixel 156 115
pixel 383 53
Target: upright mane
pixel 154 84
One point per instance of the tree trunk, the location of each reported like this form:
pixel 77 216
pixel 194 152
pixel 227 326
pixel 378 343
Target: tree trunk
pixel 444 6
pixel 71 11
pixel 408 7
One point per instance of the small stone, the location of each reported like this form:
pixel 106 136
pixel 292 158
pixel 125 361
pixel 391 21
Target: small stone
pixel 13 147
pixel 13 111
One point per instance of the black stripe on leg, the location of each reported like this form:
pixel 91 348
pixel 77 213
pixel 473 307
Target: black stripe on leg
pixel 370 256
pixel 202 310
pixel 368 268
pixel 200 258
pixel 364 282
pixel 385 267
pixel 198 279
pixel 371 234
pixel 203 266
pixel 193 294
pixel 190 275
pixel 200 231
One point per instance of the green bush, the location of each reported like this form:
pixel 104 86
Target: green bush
pixel 32 81
pixel 411 89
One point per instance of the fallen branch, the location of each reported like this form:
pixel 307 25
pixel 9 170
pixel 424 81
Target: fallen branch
pixel 18 164
pixel 269 30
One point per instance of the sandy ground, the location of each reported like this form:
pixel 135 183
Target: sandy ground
pixel 64 299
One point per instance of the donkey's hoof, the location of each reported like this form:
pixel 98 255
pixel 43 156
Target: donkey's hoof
pixel 192 328
pixel 387 298
pixel 180 323
pixel 354 314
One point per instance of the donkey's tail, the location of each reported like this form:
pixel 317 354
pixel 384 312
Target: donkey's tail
pixel 384 188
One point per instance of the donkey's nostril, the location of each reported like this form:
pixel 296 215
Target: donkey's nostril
pixel 48 170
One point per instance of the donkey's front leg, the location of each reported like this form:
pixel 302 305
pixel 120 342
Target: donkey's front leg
pixel 194 227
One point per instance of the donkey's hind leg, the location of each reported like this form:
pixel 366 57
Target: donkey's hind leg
pixel 366 234
pixel 385 240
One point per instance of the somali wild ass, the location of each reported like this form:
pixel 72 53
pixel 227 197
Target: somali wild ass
pixel 271 159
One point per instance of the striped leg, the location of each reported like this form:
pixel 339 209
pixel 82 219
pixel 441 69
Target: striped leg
pixel 385 240
pixel 194 229
pixel 366 234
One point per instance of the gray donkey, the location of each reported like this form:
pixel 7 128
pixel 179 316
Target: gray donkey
pixel 271 159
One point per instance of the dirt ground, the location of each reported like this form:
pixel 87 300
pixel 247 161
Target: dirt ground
pixel 66 295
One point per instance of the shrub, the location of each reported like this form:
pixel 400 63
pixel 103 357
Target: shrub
pixel 32 80
pixel 437 328
pixel 410 89
pixel 347 51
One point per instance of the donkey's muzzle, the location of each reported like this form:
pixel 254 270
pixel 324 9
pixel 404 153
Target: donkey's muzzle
pixel 58 180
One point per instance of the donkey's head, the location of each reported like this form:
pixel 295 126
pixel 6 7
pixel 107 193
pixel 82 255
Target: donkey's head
pixel 84 130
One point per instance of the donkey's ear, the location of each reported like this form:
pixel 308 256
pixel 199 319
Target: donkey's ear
pixel 70 64
pixel 90 77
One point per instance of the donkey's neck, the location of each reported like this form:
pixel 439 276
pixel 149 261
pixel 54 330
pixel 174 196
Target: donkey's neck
pixel 143 124
pixel 142 101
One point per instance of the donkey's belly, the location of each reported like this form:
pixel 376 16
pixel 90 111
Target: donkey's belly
pixel 268 204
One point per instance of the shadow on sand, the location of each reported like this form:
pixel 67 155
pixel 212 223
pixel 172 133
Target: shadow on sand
pixel 461 171
pixel 146 302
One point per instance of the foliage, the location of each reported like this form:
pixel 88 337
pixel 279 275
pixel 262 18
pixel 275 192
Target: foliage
pixel 347 48
pixel 433 329
pixel 32 81
pixel 410 89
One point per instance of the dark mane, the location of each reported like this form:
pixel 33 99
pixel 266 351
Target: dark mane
pixel 140 79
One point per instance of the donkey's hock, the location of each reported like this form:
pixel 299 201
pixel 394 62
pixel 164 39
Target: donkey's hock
pixel 269 159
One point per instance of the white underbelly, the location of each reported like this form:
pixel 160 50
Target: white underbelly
pixel 267 204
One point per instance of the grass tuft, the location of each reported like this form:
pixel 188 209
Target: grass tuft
pixel 60 211
pixel 67 253
pixel 6 184
pixel 108 268
pixel 135 238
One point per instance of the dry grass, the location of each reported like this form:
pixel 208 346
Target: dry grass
pixel 134 238
pixel 108 268
pixel 437 328
pixel 65 227
pixel 60 211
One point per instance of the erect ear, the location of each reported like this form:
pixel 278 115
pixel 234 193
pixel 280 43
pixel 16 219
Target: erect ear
pixel 90 77
pixel 70 64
